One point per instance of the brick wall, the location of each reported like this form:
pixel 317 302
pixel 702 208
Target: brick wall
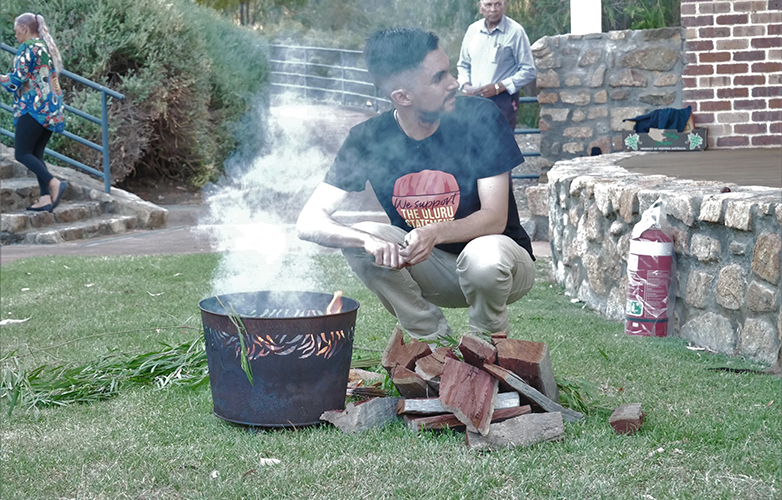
pixel 733 70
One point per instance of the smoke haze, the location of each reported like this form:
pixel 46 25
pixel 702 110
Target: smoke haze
pixel 251 217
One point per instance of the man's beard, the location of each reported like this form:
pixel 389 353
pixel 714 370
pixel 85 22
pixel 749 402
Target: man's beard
pixel 433 116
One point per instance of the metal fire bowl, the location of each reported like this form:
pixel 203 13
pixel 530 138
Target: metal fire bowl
pixel 299 365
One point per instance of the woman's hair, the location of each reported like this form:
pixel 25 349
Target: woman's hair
pixel 36 24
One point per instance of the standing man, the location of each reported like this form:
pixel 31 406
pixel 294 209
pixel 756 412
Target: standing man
pixel 455 239
pixel 496 59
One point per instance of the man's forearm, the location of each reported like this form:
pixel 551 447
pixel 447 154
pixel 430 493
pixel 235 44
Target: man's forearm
pixel 330 233
pixel 480 223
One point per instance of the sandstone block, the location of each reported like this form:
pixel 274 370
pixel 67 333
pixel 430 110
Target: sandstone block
pixel 601 97
pixel 766 257
pixel 543 125
pixel 759 341
pixel 711 208
pixel 627 78
pixel 617 35
pixel 666 80
pixel 579 97
pixel 761 297
pixel 711 330
pixel 590 57
pixel 617 227
pixel 593 227
pixel 573 81
pixel 13 223
pixel 548 97
pixel 597 112
pixel 578 116
pixel 698 288
pixel 541 47
pixel 705 248
pixel 620 114
pixel 731 287
pixel 738 215
pixel 619 94
pixel 548 62
pixel 537 199
pixel 658 99
pixel 651 59
pixel 680 238
pixel 573 147
pixel 737 248
pixel 578 132
pixel 549 79
pixel 684 207
pixel 628 203
pixel 597 77
pixel 556 114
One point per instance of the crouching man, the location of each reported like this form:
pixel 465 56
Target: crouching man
pixel 440 167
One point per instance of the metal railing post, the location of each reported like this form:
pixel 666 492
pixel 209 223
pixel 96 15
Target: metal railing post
pixel 106 161
pixel 342 83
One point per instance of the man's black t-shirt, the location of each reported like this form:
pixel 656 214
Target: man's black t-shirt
pixel 420 182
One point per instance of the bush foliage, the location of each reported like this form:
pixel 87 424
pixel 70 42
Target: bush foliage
pixel 187 74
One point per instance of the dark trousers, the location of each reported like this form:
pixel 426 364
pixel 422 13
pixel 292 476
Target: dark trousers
pixel 509 106
pixel 30 140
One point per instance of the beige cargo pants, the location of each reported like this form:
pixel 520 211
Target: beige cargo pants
pixel 490 273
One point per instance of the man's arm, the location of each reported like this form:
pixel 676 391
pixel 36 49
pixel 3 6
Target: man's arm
pixel 463 65
pixel 525 69
pixel 316 224
pixel 490 219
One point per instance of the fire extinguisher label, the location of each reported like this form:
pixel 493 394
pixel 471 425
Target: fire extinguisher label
pixel 635 308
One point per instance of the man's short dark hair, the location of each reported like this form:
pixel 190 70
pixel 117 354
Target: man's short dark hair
pixel 396 50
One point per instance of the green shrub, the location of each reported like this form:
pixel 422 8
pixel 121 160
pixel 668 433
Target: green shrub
pixel 187 73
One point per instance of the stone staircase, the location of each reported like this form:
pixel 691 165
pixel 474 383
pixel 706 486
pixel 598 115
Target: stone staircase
pixel 85 211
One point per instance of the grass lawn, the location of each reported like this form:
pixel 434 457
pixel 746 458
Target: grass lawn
pixel 707 434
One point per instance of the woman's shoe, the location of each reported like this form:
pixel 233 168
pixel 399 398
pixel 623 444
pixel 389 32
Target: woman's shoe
pixel 44 208
pixel 63 187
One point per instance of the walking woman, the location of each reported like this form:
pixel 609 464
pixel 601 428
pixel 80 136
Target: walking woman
pixel 38 106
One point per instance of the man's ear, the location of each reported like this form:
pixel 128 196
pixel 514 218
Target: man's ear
pixel 401 97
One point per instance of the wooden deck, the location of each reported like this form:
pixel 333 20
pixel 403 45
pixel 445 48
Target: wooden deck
pixel 745 167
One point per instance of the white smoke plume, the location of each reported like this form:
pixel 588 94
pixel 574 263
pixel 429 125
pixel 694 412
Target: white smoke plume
pixel 251 219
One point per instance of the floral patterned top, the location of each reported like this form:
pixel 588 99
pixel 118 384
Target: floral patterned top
pixel 35 86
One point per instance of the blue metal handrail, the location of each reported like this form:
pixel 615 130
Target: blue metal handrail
pixel 372 94
pixel 103 121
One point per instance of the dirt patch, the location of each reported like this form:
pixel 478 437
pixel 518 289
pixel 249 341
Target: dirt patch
pixel 162 192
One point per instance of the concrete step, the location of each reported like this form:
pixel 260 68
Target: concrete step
pixel 59 232
pixel 11 168
pixel 16 193
pixel 23 220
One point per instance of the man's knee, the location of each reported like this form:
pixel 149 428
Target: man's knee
pixel 483 260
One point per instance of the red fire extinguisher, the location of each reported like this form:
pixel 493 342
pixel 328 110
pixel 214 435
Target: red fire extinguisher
pixel 649 296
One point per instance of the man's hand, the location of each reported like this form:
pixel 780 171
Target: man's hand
pixel 386 253
pixel 419 244
pixel 468 89
pixel 489 90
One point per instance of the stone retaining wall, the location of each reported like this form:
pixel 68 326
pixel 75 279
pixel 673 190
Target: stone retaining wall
pixel 728 248
pixel 588 84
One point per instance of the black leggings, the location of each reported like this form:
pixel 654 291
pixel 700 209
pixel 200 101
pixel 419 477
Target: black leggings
pixel 30 140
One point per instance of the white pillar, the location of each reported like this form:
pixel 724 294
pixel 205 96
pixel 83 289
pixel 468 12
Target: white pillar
pixel 585 17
